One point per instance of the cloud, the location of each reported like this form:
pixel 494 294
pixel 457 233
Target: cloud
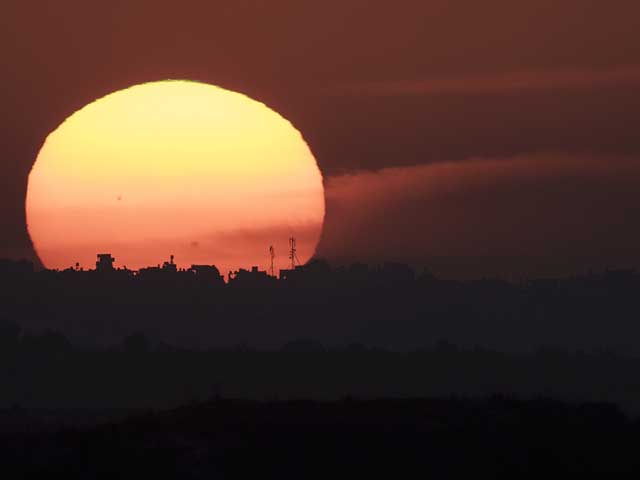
pixel 533 214
pixel 519 81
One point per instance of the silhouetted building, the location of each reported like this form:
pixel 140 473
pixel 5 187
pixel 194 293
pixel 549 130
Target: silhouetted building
pixel 309 273
pixel 251 278
pixel 207 274
pixel 170 266
pixel 287 274
pixel 166 271
pixel 105 262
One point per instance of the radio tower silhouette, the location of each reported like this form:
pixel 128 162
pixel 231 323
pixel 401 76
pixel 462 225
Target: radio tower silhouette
pixel 272 254
pixel 292 253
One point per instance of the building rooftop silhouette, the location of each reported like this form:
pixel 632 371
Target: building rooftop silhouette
pixel 105 262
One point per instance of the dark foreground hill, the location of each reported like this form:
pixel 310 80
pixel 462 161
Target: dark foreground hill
pixel 387 307
pixel 450 438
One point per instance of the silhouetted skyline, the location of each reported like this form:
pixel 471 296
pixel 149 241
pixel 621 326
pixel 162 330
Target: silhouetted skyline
pixel 388 305
pixel 480 139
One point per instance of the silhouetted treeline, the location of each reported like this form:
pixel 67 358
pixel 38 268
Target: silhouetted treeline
pixel 45 370
pixel 497 437
pixel 387 306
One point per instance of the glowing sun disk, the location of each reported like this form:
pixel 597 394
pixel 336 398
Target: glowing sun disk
pixel 174 167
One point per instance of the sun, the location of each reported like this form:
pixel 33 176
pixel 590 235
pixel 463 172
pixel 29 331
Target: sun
pixel 174 168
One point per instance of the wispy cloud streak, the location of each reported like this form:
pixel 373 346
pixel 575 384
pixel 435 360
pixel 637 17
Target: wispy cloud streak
pixel 540 80
pixel 544 213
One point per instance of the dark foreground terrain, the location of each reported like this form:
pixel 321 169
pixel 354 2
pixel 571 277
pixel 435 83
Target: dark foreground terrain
pixel 94 363
pixel 451 438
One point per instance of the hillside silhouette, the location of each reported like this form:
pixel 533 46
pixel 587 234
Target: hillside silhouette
pixel 165 337
pixel 497 437
pixel 359 370
pixel 387 306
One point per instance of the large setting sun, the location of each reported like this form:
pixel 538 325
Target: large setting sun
pixel 174 168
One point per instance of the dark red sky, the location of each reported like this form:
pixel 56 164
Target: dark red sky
pixel 477 137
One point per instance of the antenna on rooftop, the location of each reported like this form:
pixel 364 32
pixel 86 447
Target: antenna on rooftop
pixel 292 253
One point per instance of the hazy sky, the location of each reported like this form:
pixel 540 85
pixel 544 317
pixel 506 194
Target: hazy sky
pixel 480 137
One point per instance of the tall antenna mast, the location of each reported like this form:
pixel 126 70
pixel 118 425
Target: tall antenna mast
pixel 272 254
pixel 292 253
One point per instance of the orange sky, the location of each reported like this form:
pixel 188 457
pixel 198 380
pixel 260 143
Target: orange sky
pixel 174 167
pixel 372 88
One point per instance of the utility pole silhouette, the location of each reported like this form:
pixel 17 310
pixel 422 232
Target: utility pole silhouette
pixel 272 254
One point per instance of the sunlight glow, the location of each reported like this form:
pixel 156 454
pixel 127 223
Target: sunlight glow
pixel 174 167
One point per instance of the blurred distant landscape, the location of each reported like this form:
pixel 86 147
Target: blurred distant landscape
pixel 113 340
pixel 451 437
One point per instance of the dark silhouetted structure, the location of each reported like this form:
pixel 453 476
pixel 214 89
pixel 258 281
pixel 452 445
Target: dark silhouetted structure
pixel 251 278
pixel 105 262
pixel 207 274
